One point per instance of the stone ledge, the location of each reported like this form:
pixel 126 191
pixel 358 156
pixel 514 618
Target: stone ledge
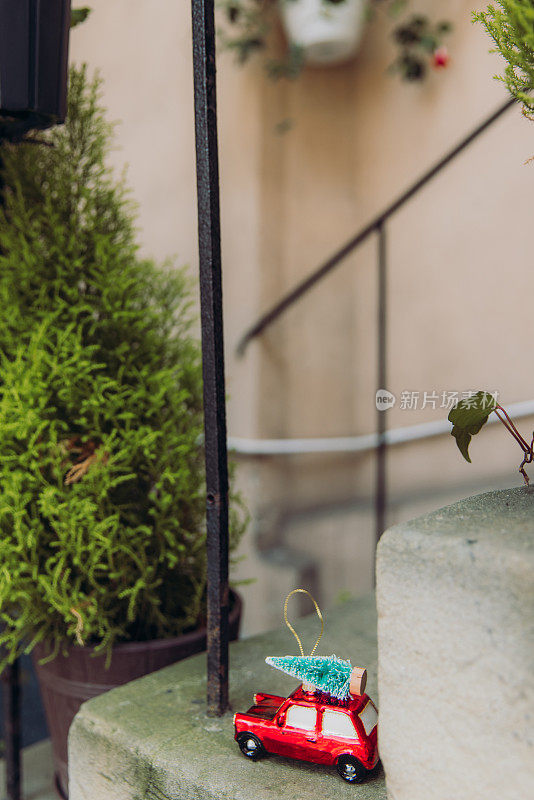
pixel 455 595
pixel 37 769
pixel 151 739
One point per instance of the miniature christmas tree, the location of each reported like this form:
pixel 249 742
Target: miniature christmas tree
pixel 329 674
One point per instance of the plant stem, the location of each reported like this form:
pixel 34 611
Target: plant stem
pixel 528 450
pixel 509 425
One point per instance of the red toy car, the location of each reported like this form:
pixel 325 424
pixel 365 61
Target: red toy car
pixel 312 727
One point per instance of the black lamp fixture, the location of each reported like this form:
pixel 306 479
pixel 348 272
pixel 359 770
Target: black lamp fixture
pixel 34 41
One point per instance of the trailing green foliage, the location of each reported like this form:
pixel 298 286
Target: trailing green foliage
pixel 329 674
pixel 248 25
pixel 101 473
pixel 468 416
pixel 420 43
pixel 511 26
pixel 471 414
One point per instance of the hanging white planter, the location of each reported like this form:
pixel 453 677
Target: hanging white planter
pixel 328 33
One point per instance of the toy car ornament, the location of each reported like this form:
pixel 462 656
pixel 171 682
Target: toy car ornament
pixel 328 719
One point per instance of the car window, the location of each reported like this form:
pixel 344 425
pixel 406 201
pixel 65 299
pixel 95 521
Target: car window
pixel 336 723
pixel 301 717
pixel 369 717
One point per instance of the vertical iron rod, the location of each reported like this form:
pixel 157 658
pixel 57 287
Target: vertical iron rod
pixel 381 418
pixel 11 687
pixel 212 351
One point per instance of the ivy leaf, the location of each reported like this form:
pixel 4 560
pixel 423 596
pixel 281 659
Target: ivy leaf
pixel 468 416
pixel 396 7
pixel 79 15
pixel 428 42
pixel 444 27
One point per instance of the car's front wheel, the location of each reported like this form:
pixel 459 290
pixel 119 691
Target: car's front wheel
pixel 250 746
pixel 351 770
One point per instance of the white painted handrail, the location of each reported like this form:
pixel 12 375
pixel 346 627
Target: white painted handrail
pixel 358 444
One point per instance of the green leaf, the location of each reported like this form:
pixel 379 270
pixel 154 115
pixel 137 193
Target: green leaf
pixel 468 416
pixel 79 15
pixel 396 7
pixel 463 439
pixel 428 42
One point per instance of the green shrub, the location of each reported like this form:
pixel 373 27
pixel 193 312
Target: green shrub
pixel 102 495
pixel 512 29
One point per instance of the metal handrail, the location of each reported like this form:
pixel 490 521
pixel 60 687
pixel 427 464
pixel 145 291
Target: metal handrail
pixel 378 227
pixel 374 225
pixel 364 443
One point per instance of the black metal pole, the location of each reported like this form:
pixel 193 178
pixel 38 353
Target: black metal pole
pixel 381 418
pixel 11 709
pixel 212 351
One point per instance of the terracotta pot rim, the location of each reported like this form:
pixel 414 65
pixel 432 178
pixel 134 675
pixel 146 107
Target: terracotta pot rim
pixel 154 644
pixel 68 681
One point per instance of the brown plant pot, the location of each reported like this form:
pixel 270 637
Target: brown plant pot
pixel 68 681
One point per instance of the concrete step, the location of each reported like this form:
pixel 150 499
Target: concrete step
pixel 37 773
pixel 151 739
pixel 455 591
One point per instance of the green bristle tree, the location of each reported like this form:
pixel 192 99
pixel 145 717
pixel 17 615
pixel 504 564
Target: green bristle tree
pixel 329 674
pixel 510 23
pixel 102 491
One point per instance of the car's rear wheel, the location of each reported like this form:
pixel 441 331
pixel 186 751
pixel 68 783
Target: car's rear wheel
pixel 351 770
pixel 250 746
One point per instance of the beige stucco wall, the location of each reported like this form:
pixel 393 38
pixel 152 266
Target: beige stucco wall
pixel 460 280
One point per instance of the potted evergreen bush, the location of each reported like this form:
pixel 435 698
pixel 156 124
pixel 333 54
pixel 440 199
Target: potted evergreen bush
pixel 102 542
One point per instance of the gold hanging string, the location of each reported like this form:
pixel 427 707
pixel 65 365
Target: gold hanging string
pixel 290 626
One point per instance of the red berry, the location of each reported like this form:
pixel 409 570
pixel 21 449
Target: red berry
pixel 441 57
